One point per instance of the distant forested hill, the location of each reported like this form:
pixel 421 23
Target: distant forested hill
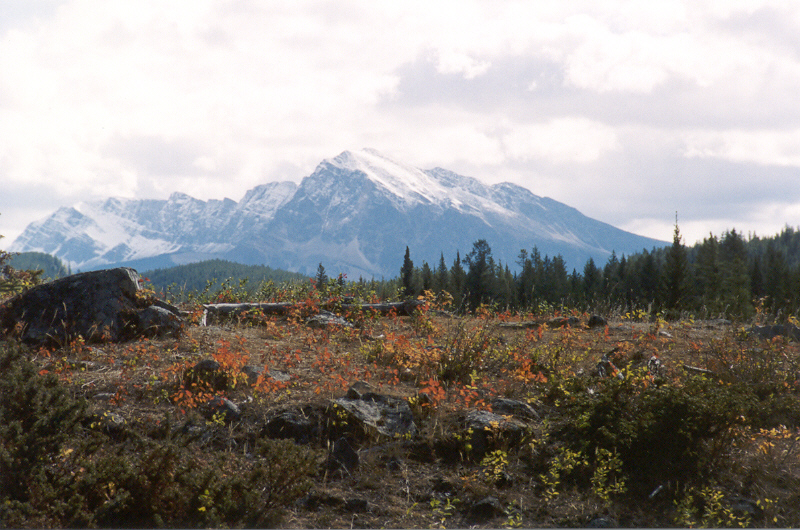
pixel 53 267
pixel 196 276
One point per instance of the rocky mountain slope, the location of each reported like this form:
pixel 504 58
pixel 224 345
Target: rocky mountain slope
pixel 355 213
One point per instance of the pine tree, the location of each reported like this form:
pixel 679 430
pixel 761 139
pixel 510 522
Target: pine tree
pixel 441 276
pixel 776 278
pixel 612 279
pixel 591 281
pixel 407 275
pixel 649 275
pixel 321 279
pixel 676 272
pixel 479 274
pixel 427 276
pixel 736 295
pixel 709 284
pixel 525 281
pixel 557 280
pixel 458 279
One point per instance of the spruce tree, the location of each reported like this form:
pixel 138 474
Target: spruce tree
pixel 479 274
pixel 458 279
pixel 612 278
pixel 676 272
pixel 591 281
pixel 525 280
pixel 427 276
pixel 735 278
pixel 776 281
pixel 321 279
pixel 407 275
pixel 650 275
pixel 709 283
pixel 441 276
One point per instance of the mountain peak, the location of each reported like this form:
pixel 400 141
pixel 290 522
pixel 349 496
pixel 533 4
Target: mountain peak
pixel 407 183
pixel 356 214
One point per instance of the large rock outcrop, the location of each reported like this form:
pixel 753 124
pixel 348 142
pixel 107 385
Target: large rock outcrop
pixel 99 306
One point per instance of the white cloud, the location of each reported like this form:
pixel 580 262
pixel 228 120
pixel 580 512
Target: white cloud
pixel 767 147
pixel 225 94
pixel 562 140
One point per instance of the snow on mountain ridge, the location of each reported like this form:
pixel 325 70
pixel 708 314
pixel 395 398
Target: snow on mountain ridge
pixel 356 212
pixel 414 186
pixel 409 184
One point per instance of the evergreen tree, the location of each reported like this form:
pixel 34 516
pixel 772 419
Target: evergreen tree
pixel 441 276
pixel 458 280
pixel 709 282
pixel 650 276
pixel 735 278
pixel 557 280
pixel 612 279
pixel 591 281
pixel 525 280
pixel 407 275
pixel 756 279
pixel 776 281
pixel 427 277
pixel 479 275
pixel 575 287
pixel 676 273
pixel 321 279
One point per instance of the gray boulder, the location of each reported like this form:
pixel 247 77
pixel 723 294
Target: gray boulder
pixel 325 319
pixel 99 306
pixel 789 331
pixel 596 321
pixel 388 415
pixel 489 430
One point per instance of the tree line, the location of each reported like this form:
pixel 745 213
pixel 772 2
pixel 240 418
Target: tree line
pixel 723 276
pixel 727 276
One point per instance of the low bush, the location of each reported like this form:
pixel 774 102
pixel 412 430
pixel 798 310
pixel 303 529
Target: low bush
pixel 148 484
pixel 37 416
pixel 668 433
pixel 57 470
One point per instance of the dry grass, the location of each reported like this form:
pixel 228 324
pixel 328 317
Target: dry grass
pixel 462 363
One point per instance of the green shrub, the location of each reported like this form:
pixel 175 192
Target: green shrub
pixel 37 415
pixel 146 484
pixel 57 471
pixel 660 434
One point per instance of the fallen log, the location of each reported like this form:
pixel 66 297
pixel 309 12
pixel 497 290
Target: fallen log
pixel 697 370
pixel 212 311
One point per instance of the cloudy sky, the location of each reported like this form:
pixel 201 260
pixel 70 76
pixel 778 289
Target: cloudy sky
pixel 630 111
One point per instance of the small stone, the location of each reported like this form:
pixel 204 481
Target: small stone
pixel 356 505
pixel 563 322
pixel 485 509
pixel 514 407
pixel 325 319
pixel 295 425
pixel 602 521
pixel 596 321
pixel 109 422
pixel 224 406
pixel 206 372
pixel 343 455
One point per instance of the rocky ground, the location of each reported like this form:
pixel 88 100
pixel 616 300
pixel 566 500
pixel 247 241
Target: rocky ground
pixel 442 421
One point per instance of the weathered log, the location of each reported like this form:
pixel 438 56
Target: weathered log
pixel 284 308
pixel 697 370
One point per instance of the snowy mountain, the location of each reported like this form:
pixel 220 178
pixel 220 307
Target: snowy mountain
pixel 355 214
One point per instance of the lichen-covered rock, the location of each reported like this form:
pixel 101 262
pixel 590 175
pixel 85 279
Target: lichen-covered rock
pixel 789 331
pixel 97 306
pixel 388 415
